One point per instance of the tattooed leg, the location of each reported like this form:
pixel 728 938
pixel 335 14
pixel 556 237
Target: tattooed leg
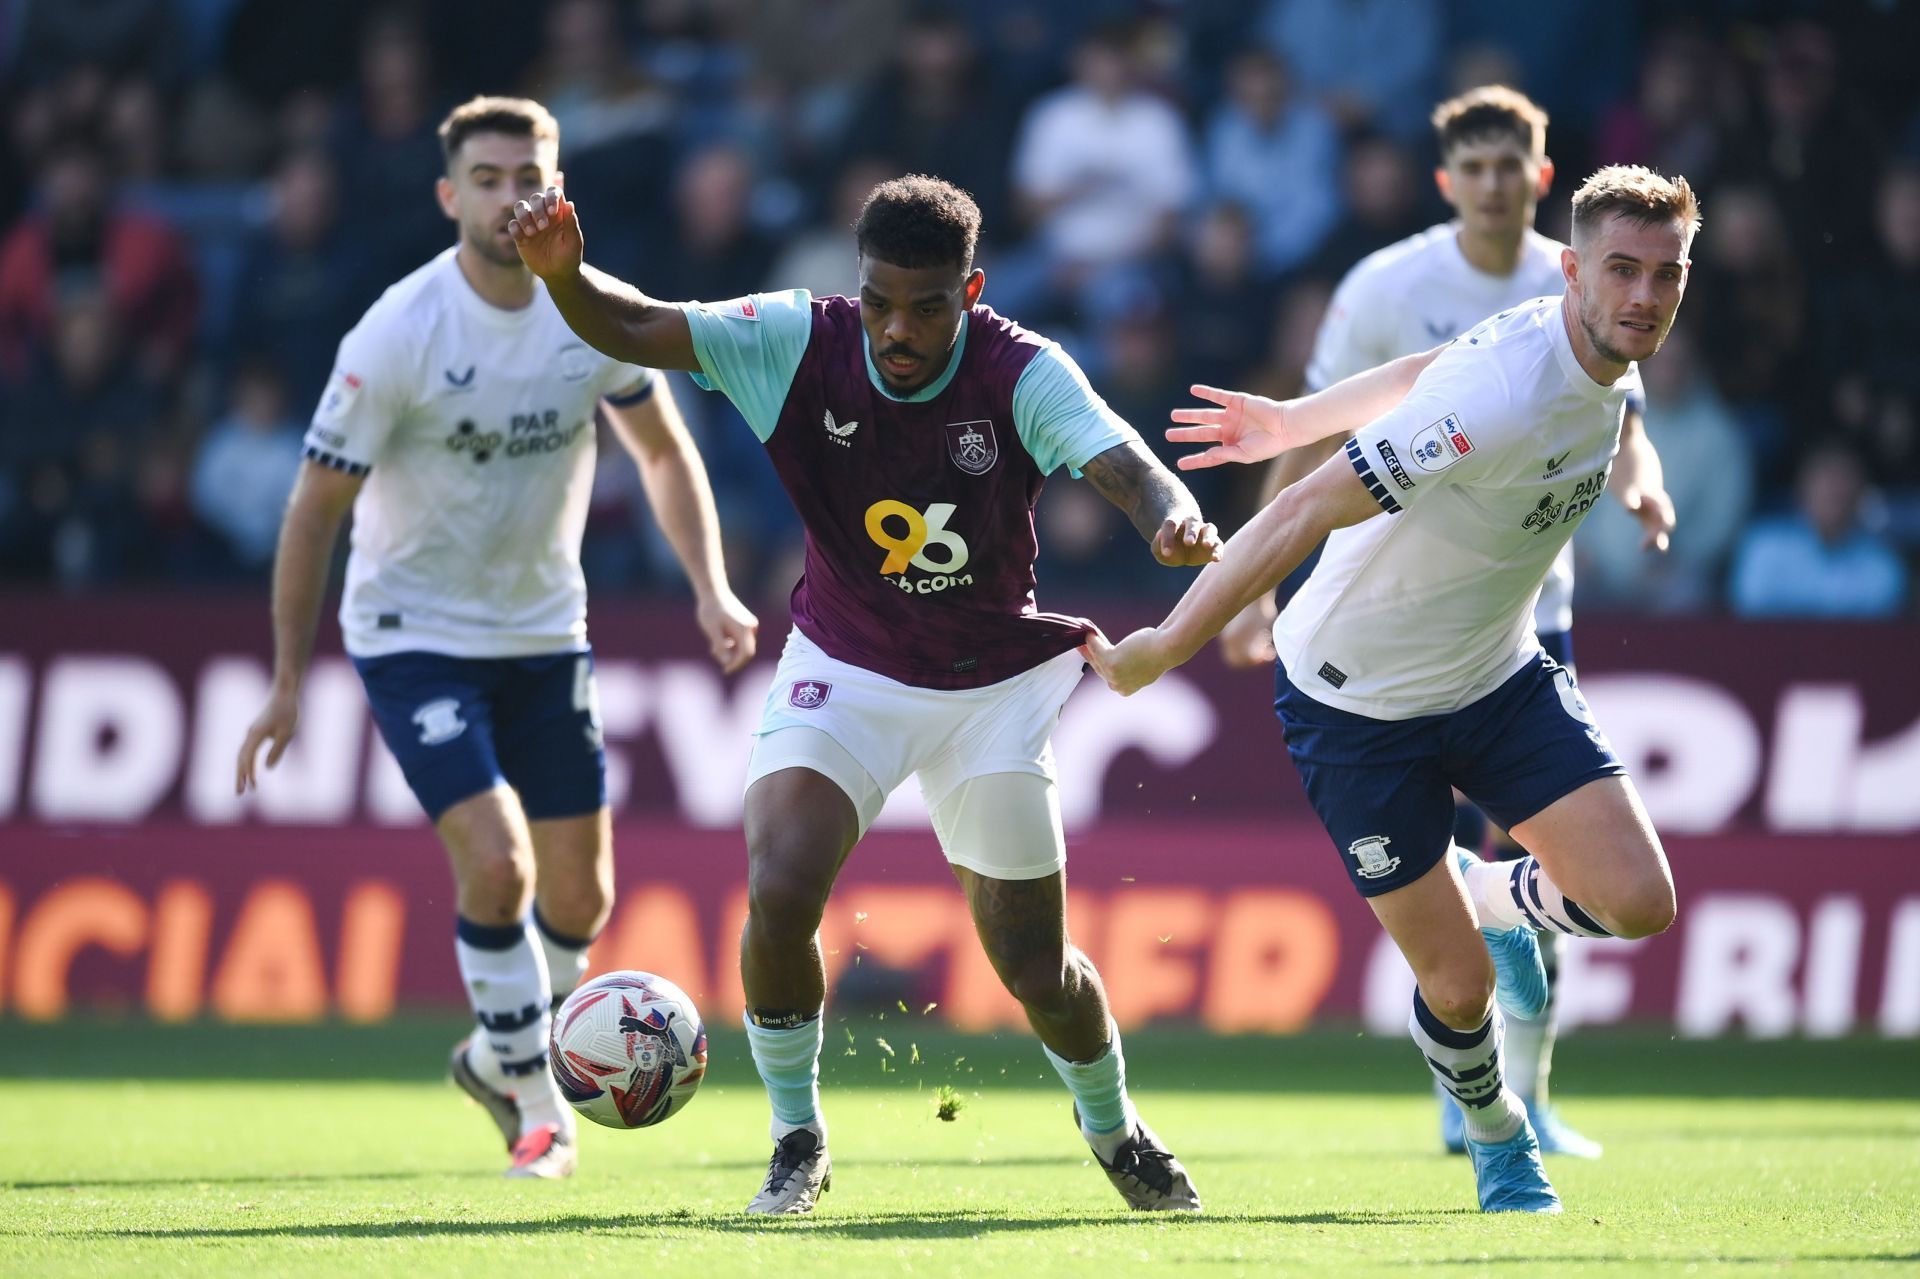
pixel 1022 923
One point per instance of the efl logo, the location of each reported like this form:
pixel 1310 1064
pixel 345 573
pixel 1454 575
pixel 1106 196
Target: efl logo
pixel 808 694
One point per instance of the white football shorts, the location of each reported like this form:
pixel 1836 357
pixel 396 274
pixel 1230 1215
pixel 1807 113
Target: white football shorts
pixel 870 733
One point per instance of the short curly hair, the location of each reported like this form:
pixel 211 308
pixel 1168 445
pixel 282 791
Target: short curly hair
pixel 918 221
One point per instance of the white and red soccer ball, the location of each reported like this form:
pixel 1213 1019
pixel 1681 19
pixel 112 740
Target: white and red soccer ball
pixel 628 1049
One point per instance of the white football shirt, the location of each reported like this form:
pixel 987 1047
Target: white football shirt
pixel 1416 294
pixel 1484 471
pixel 474 428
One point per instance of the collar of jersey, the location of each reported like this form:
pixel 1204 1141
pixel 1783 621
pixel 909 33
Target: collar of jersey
pixel 474 304
pixel 932 388
pixel 1581 380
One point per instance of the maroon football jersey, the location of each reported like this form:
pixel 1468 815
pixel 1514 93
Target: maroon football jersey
pixel 919 516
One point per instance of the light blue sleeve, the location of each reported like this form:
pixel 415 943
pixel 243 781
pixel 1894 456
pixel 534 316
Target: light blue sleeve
pixel 1061 419
pixel 749 350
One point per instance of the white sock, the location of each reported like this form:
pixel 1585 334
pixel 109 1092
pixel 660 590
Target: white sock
pixel 566 956
pixel 506 978
pixel 788 1059
pixel 1528 1041
pixel 1099 1089
pixel 1509 894
pixel 1467 1064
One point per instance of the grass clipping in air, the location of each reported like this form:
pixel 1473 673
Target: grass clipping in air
pixel 948 1103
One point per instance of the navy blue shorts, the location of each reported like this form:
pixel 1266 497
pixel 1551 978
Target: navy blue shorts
pixel 462 725
pixel 1384 788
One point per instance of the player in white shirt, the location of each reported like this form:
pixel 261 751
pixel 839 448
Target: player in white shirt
pixel 459 428
pixel 1408 664
pixel 1407 297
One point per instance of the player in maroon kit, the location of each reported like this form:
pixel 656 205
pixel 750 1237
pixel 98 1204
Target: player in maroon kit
pixel 913 429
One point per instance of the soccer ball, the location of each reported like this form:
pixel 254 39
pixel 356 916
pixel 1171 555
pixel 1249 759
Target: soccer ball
pixel 628 1049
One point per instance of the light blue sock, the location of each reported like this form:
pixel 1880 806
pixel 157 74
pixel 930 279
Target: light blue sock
pixel 1099 1089
pixel 788 1060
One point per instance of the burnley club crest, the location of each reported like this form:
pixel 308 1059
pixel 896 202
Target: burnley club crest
pixel 972 447
pixel 808 694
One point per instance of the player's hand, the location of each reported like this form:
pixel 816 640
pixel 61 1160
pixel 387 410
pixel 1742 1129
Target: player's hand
pixel 546 230
pixel 1187 542
pixel 1247 641
pixel 1654 509
pixel 732 631
pixel 1245 428
pixel 1128 666
pixel 273 727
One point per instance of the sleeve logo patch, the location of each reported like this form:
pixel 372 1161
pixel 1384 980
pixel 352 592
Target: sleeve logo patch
pixel 1441 445
pixel 342 390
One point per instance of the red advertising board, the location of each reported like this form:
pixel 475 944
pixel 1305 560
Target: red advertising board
pixel 1782 764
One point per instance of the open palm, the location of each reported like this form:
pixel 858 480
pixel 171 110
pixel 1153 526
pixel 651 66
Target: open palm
pixel 1245 428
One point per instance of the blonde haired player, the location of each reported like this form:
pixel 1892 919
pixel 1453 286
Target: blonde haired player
pixel 1426 289
pixel 1408 665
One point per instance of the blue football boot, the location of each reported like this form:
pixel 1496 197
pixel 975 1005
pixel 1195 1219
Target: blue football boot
pixel 1509 1176
pixel 1520 976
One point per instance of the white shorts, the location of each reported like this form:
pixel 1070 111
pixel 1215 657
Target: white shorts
pixel 871 733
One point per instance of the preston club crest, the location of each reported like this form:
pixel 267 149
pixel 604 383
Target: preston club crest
pixel 1370 856
pixel 972 447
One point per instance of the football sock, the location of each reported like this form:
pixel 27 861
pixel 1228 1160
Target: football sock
pixel 566 956
pixel 1508 894
pixel 788 1059
pixel 1467 1064
pixel 506 978
pixel 1528 1045
pixel 1099 1089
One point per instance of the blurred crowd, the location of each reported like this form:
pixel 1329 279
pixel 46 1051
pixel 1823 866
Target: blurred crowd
pixel 208 193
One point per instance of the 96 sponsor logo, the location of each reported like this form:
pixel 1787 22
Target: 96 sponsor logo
pixel 919 539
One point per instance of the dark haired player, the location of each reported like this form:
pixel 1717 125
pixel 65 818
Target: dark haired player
pixel 458 428
pixel 913 429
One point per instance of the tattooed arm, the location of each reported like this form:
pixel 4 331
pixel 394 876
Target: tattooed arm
pixel 1159 505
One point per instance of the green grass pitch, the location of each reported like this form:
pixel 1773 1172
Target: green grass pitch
pixel 128 1148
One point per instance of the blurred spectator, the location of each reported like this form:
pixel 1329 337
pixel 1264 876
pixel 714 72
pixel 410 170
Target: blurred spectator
pixel 1572 64
pixel 78 237
pixel 1279 156
pixel 718 252
pixel 1102 168
pixel 1384 192
pixel 1870 332
pixel 937 110
pixel 123 38
pixel 819 57
pixel 75 435
pixel 584 78
pixel 822 259
pixel 388 147
pixel 1369 62
pixel 1223 307
pixel 303 281
pixel 1822 560
pixel 1746 302
pixel 1806 145
pixel 1709 476
pixel 246 468
pixel 1673 121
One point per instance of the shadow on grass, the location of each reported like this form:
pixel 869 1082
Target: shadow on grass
pixel 876 1226
pixel 264 1179
pixel 413 1048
